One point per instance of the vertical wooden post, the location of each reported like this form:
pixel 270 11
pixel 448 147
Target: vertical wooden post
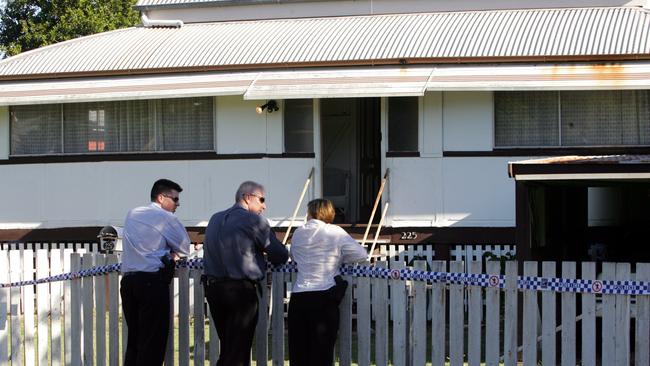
pixel 609 318
pixel 530 318
pixel 419 326
pixel 277 320
pixel 398 310
pixel 199 319
pixel 56 319
pixel 456 318
pixel 28 308
pixel 492 316
pixel 363 320
pixel 548 318
pixel 262 330
pixel 475 317
pixel 5 335
pixel 88 309
pixel 642 326
pixel 622 318
pixel 438 317
pixel 588 352
pixel 183 316
pixel 43 306
pixel 114 355
pixel 345 328
pixel 380 312
pixel 510 321
pixel 568 349
pixel 75 313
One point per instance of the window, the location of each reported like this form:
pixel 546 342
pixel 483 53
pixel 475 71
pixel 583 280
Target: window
pixel 298 126
pixel 403 124
pixel 111 127
pixel 572 118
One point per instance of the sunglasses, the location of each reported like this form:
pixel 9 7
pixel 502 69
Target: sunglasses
pixel 175 199
pixel 261 198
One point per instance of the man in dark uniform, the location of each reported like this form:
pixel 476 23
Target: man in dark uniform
pixel 233 264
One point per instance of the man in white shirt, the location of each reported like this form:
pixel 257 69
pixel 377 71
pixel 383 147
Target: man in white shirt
pixel 153 239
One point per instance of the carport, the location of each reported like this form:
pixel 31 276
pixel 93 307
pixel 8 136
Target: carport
pixel 578 208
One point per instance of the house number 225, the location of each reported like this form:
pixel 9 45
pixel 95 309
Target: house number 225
pixel 409 235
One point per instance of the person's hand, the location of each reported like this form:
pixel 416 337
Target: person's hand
pixel 175 257
pixel 198 246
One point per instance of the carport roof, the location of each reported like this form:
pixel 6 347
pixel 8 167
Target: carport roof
pixel 576 167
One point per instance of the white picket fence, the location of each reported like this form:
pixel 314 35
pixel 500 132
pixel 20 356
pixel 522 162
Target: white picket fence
pixel 78 322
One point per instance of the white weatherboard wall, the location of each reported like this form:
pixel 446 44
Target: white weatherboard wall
pixel 468 121
pixel 4 133
pixel 240 130
pixel 96 194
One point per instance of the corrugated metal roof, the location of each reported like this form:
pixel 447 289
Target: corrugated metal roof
pixel 505 35
pixel 143 4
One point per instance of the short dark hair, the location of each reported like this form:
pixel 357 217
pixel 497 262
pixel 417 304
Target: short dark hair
pixel 164 186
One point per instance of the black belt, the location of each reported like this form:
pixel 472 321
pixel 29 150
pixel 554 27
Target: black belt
pixel 211 280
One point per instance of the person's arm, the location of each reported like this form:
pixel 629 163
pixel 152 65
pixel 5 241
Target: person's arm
pixel 177 238
pixel 351 250
pixel 275 251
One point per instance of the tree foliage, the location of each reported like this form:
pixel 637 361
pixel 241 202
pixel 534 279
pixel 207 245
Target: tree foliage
pixel 29 24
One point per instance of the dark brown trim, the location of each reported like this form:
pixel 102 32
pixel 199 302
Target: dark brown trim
pixel 377 62
pixel 586 168
pixel 85 158
pixel 424 235
pixel 555 151
pixel 402 154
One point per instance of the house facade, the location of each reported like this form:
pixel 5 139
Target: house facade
pixel 441 94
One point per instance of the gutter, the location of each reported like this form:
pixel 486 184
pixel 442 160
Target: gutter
pixel 148 23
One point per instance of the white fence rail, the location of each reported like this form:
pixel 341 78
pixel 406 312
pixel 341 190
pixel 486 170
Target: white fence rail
pixel 78 322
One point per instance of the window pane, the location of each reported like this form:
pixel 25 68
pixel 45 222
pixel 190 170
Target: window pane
pixel 298 125
pixel 137 126
pixel 186 124
pixel 403 124
pixel 605 117
pixel 36 129
pixel 526 118
pixel 91 127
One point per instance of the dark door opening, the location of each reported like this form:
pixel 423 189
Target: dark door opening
pixel 351 137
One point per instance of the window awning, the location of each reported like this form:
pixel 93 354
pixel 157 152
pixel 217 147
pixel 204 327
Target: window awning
pixel 542 77
pixel 123 88
pixel 362 81
pixel 341 83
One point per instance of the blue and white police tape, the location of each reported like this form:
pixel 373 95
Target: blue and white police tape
pixel 453 278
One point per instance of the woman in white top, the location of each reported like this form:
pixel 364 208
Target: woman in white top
pixel 319 248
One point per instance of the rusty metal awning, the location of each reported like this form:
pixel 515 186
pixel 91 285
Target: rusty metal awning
pixel 576 167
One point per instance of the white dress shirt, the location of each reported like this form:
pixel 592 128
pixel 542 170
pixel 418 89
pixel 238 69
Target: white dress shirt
pixel 149 233
pixel 319 249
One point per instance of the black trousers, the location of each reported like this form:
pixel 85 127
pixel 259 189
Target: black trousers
pixel 233 306
pixel 313 326
pixel 145 304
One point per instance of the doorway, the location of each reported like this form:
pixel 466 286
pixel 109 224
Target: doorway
pixel 351 156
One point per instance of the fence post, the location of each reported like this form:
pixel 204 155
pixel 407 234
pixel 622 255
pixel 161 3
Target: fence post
pixel 641 353
pixel 169 351
pixel 43 305
pixel 588 352
pixel 492 316
pixel 622 318
pixel 345 329
pixel 609 318
pixel 114 355
pixel 438 316
pixel 28 308
pixel 277 319
pixel 530 318
pixel 199 318
pixel 56 298
pixel 475 317
pixel 183 316
pixel 456 318
pixel 75 313
pixel 380 312
pixel 213 349
pixel 363 320
pixel 419 324
pixel 15 273
pixel 5 336
pixel 100 311
pixel 398 310
pixel 548 317
pixel 568 317
pixel 87 289
pixel 510 321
